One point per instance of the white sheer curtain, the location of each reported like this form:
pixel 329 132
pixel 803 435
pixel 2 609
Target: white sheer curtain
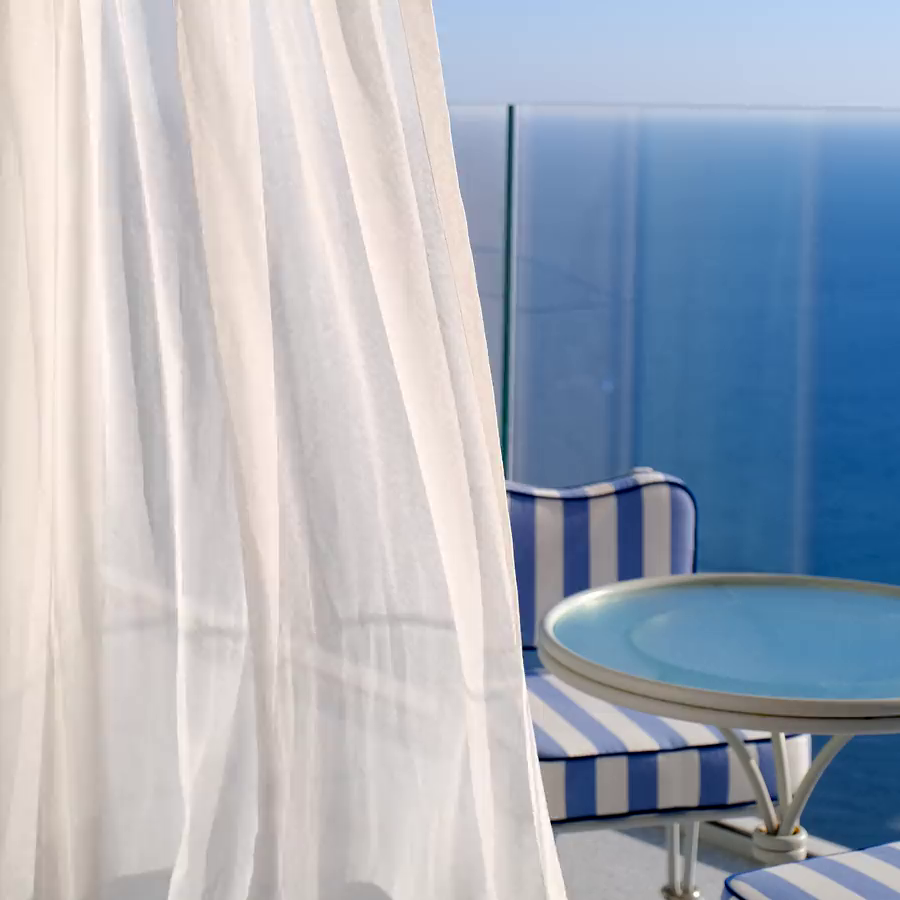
pixel 257 620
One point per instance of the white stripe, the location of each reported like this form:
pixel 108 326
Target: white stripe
pixel 604 541
pixel 678 779
pixel 881 871
pixel 695 734
pixel 657 501
pixel 746 892
pixel 573 742
pixel 817 884
pixel 612 785
pixel 628 732
pixel 599 490
pixel 548 555
pixel 528 490
pixel 553 775
pixel 649 477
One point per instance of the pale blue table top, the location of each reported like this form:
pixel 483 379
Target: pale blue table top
pixel 791 639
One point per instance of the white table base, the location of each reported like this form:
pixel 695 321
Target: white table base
pixel 781 838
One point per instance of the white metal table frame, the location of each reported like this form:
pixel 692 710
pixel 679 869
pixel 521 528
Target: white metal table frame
pixel 781 838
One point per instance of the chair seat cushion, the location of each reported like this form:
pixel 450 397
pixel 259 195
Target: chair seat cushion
pixel 599 760
pixel 873 874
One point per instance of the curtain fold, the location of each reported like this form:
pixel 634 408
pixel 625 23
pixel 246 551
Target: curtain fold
pixel 258 627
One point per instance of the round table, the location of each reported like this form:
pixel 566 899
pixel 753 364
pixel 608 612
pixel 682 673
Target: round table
pixel 780 653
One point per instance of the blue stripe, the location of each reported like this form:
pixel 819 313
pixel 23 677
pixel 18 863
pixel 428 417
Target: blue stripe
pixel 522 521
pixel 889 853
pixel 599 735
pixel 714 776
pixel 547 748
pixel 771 885
pixel 766 753
pixel 581 788
pixel 864 885
pixel 661 732
pixel 630 516
pixel 643 778
pixel 576 546
pixel 682 531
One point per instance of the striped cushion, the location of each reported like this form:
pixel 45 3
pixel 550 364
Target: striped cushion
pixel 871 874
pixel 598 760
pixel 567 541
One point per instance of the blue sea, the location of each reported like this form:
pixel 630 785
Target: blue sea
pixel 716 294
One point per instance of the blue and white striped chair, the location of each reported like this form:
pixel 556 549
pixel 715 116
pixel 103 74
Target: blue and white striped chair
pixel 872 874
pixel 602 765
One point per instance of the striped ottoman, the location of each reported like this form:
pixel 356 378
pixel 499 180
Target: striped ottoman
pixel 872 874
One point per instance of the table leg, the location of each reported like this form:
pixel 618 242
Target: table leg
pixel 682 866
pixel 782 839
pixel 757 782
pixel 782 771
pixel 692 840
pixel 673 855
pixel 791 814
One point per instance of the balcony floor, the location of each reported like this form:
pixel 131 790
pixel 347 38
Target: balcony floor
pixel 631 865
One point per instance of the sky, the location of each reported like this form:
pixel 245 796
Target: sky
pixel 736 52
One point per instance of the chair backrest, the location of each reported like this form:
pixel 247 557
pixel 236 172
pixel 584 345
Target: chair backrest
pixel 564 541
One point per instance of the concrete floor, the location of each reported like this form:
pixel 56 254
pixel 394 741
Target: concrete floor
pixel 615 865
